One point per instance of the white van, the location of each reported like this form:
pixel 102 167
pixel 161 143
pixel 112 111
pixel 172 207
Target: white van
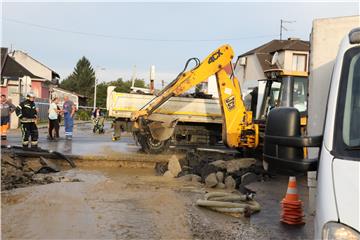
pixel 338 198
pixel 338 166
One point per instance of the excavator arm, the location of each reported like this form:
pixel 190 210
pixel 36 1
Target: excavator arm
pixel 238 127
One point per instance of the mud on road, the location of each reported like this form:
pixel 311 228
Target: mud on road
pixel 116 204
pixel 133 203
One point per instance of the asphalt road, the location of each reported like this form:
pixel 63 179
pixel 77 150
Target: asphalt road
pixel 84 141
pixel 268 194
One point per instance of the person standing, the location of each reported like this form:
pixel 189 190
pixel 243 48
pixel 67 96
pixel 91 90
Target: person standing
pixel 6 109
pixel 69 111
pixel 54 119
pixel 27 113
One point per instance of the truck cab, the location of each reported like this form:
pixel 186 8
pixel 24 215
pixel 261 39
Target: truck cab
pixel 338 164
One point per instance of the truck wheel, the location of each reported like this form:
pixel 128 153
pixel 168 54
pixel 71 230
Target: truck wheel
pixel 153 146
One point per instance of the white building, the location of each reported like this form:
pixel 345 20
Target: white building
pixel 290 55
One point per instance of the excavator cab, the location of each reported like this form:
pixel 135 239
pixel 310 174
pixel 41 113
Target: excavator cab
pixel 284 89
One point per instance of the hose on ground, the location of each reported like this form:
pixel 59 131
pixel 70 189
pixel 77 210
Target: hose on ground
pixel 229 203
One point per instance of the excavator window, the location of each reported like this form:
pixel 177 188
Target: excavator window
pixel 271 98
pixel 293 93
pixel 300 94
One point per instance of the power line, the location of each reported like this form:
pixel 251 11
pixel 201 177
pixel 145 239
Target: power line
pixel 130 38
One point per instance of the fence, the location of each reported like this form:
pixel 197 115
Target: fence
pixel 43 105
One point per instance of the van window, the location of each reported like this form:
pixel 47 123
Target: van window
pixel 347 130
pixel 351 121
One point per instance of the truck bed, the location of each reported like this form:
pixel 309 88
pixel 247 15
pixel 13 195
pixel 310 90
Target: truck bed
pixel 186 109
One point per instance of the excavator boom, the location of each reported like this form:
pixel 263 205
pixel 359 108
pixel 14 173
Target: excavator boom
pixel 238 127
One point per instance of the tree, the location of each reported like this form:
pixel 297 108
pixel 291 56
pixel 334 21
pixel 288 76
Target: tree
pixel 82 79
pixel 121 86
pixel 68 84
pixel 125 86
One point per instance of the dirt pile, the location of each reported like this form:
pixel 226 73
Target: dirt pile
pixel 17 172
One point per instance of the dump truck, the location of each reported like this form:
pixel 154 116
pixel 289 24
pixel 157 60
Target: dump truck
pixel 199 120
pixel 333 129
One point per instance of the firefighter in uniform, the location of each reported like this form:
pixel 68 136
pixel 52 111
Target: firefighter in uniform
pixel 27 113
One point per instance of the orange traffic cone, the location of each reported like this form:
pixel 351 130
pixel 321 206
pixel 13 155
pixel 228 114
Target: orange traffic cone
pixel 292 212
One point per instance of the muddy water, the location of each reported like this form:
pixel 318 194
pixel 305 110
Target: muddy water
pixel 108 204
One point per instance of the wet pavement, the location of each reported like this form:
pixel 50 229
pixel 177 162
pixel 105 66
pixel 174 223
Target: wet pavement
pixel 108 204
pixel 122 203
pixel 84 141
pixel 269 194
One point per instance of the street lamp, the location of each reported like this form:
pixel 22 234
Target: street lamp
pixel 96 82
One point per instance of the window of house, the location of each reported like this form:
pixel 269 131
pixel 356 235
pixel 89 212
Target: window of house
pixel 299 62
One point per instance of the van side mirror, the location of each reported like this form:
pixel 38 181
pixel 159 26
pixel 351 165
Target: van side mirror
pixel 283 143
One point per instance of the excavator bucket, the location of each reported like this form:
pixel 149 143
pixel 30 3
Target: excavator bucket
pixel 161 128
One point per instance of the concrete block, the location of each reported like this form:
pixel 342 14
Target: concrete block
pixel 211 180
pixel 174 166
pixel 230 182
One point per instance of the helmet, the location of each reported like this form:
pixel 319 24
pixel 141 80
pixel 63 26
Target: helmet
pixel 30 94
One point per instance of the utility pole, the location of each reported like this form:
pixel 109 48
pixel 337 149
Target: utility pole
pixel 282 27
pixel 133 77
pixel 96 82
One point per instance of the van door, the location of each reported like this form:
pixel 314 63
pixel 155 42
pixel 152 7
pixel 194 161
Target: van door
pixel 346 144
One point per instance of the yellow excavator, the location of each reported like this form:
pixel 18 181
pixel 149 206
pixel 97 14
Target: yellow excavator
pixel 238 130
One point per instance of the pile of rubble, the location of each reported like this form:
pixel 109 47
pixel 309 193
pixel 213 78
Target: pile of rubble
pixel 17 172
pixel 216 169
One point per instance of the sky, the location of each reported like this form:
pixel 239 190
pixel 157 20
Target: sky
pixel 117 36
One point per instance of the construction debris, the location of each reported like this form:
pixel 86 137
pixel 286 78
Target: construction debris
pixel 168 174
pixel 230 182
pixel 190 178
pixel 220 176
pixel 222 169
pixel 211 180
pixel 17 172
pixel 35 153
pixel 174 166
